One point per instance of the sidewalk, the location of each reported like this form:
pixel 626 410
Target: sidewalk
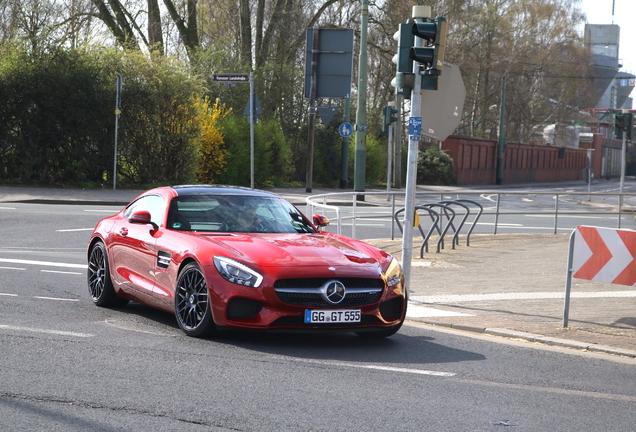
pixel 513 285
pixel 505 285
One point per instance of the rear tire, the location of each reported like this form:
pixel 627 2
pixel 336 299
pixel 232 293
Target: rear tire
pixel 192 306
pixel 100 286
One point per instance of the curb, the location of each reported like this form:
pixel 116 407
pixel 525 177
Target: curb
pixel 531 337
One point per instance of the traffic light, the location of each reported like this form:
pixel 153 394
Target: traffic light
pixel 388 117
pixel 404 79
pixel 624 123
pixel 431 55
pixel 405 39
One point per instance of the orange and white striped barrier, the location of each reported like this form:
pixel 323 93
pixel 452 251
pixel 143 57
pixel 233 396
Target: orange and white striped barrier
pixel 602 255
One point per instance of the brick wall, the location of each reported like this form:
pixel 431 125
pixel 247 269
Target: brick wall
pixel 476 162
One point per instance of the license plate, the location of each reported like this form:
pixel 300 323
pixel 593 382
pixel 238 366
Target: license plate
pixel 329 316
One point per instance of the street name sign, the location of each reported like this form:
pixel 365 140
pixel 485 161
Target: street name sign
pixel 231 77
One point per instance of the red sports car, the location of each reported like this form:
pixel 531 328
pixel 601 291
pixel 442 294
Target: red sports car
pixel 228 257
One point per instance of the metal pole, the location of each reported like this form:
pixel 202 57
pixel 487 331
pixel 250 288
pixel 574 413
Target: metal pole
pixel 568 280
pixel 312 110
pixel 252 129
pixel 360 164
pixel 589 174
pixel 389 156
pixel 117 114
pixel 556 212
pixel 397 183
pixel 502 132
pixel 623 151
pixel 344 150
pixel 411 170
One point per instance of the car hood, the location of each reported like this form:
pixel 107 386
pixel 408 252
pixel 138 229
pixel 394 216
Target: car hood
pixel 278 250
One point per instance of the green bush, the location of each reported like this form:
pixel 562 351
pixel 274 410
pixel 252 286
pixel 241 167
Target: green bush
pixel 54 122
pixel 159 130
pixel 376 160
pixel 272 153
pixel 435 167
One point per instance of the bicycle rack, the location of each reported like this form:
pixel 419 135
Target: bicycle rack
pixel 441 231
pixel 477 216
pixel 434 216
pixel 438 225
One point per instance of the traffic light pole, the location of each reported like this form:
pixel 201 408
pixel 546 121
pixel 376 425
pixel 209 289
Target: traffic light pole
pixel 389 156
pixel 397 183
pixel 625 118
pixel 360 162
pixel 419 12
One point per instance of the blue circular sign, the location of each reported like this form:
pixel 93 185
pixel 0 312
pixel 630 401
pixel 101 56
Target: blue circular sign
pixel 345 129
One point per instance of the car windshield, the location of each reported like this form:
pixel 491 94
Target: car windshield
pixel 236 213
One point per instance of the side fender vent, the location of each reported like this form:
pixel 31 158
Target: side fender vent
pixel 163 259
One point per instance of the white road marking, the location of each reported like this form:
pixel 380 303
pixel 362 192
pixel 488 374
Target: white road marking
pixel 100 211
pixel 462 298
pixel 46 331
pixel 56 299
pixel 7 208
pixel 43 263
pixel 12 268
pixel 75 229
pixel 61 272
pixel 401 370
pixel 416 311
pixel 8 295
pixel 377 367
pixel 569 216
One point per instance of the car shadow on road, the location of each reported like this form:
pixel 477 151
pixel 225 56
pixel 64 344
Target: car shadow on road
pixel 407 347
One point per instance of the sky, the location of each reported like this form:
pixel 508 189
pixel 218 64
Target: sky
pixel 600 12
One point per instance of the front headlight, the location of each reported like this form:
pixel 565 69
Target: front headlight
pixel 236 272
pixel 394 273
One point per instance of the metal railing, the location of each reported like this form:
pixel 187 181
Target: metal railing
pixel 611 205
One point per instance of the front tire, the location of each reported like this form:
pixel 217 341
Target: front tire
pixel 192 303
pixel 100 286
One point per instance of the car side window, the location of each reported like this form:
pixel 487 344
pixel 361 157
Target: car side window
pixel 151 203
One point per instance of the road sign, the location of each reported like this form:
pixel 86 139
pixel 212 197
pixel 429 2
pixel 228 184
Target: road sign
pixel 231 77
pixel 415 125
pixel 257 109
pixel 604 255
pixel 441 109
pixel 345 129
pixel 329 61
pixel 326 113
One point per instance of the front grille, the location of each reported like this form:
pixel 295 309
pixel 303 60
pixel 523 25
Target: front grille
pixel 306 292
pixel 318 282
pixel 316 300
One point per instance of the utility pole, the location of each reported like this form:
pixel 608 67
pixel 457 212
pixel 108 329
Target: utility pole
pixel 360 164
pixel 344 148
pixel 117 114
pixel 501 142
pixel 419 12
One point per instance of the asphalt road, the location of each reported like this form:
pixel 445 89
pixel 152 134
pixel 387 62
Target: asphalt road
pixel 70 366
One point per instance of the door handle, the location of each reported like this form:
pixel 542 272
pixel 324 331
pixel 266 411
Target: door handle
pixel 123 231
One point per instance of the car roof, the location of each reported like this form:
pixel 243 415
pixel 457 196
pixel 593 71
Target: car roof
pixel 186 190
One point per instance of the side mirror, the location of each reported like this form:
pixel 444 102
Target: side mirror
pixel 320 220
pixel 142 217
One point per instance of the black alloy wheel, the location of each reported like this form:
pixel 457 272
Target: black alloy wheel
pixel 100 286
pixel 192 303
